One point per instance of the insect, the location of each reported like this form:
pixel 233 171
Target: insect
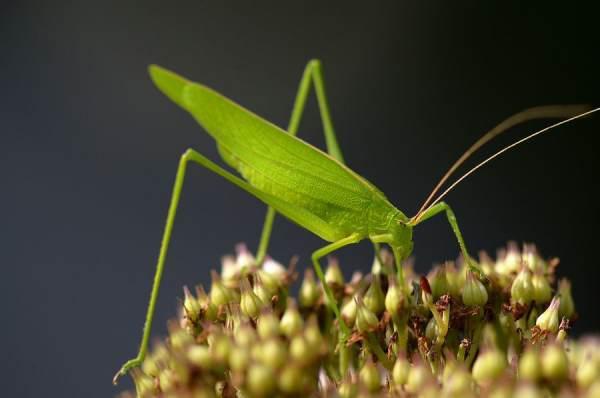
pixel 314 189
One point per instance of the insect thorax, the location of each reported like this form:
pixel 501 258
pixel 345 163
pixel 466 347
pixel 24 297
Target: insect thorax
pixel 385 219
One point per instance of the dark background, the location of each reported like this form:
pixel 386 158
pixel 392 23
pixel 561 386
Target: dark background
pixel 90 149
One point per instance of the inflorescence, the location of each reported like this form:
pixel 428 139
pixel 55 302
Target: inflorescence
pixel 500 332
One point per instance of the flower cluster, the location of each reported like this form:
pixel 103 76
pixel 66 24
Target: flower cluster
pixel 469 328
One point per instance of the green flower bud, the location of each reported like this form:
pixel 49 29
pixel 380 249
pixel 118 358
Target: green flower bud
pixel 179 338
pixel 273 353
pixel 270 282
pixel 458 383
pixel 150 366
pixel 191 305
pixel 261 291
pixel 291 379
pixel 245 335
pixel 588 372
pixel 373 298
pixel 400 371
pixel 219 294
pixel 261 380
pixel 533 260
pixel 267 325
pixel 333 274
pixel 530 367
pixel 250 303
pixel 431 330
pixel 166 380
pixel 438 282
pixel 220 347
pixel 567 306
pixel 522 287
pixel 207 307
pixel 291 322
pixel 349 311
pixel 541 288
pixel 474 293
pixel 369 376
pixel 366 320
pixel 347 389
pixel 453 280
pixel 199 355
pixel 239 358
pixel 300 350
pixel 312 333
pixel 309 291
pixel 144 385
pixel 548 320
pixel 418 377
pixel 394 298
pixel 555 364
pixel 489 365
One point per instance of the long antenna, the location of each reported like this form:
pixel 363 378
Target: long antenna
pixel 539 112
pixel 500 152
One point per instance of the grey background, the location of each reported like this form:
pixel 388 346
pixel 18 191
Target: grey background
pixel 90 148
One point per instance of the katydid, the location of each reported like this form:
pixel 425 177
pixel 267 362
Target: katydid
pixel 314 189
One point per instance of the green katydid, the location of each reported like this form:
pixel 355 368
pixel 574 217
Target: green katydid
pixel 312 188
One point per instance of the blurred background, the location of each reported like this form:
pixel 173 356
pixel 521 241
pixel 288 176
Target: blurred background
pixel 90 149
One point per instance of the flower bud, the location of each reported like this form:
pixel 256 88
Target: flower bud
pixel 312 333
pixel 273 353
pixel 250 303
pixel 347 389
pixel 369 376
pixel 474 293
pixel 267 325
pixel 230 274
pixel 309 291
pixel 555 364
pixel 489 365
pixel 261 380
pixel 199 355
pixel 373 298
pixel 166 380
pixel 366 320
pixel 418 377
pixel 349 311
pixel 458 383
pixel 144 385
pixel 270 282
pixel 567 306
pixel 530 367
pixel 261 291
pixel 291 322
pixel 522 287
pixel 438 282
pixel 238 359
pixel 245 335
pixel 400 371
pixel 291 379
pixel 510 262
pixel 393 298
pixel 431 330
pixel 588 372
pixel 541 288
pixel 548 320
pixel 191 305
pixel 220 346
pixel 150 366
pixel 219 294
pixel 333 274
pixel 300 350
pixel 274 269
pixel 244 260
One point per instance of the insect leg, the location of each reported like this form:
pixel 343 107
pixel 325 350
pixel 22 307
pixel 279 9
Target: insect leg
pixel 322 252
pixel 312 73
pixel 193 156
pixel 443 207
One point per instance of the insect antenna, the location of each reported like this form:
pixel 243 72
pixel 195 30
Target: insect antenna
pixel 572 112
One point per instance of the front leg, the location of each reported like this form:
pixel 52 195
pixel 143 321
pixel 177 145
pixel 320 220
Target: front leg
pixel 443 207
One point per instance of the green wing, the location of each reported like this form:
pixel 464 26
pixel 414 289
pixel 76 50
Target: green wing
pixel 273 161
